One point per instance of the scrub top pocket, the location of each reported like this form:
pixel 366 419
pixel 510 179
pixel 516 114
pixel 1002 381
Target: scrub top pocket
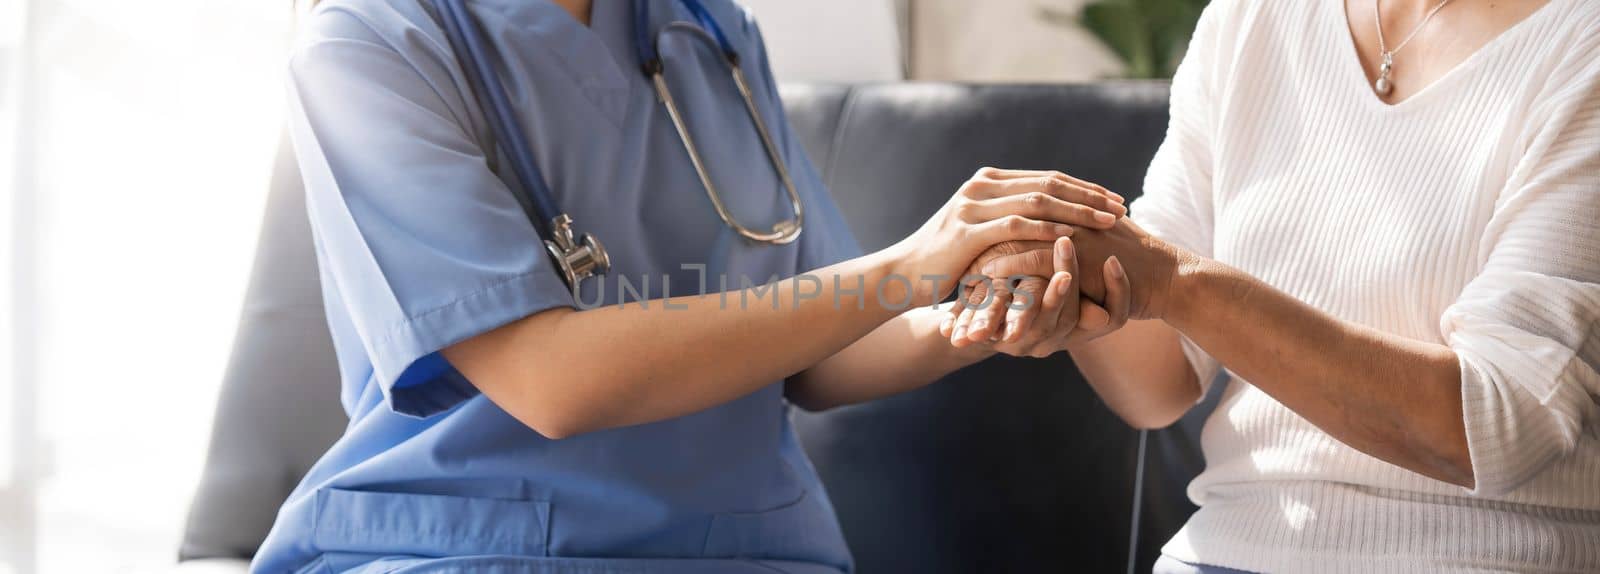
pixel 387 523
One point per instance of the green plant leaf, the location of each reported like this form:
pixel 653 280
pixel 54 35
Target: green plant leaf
pixel 1149 36
pixel 1118 25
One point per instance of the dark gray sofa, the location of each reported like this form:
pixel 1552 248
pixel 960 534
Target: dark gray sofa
pixel 1012 465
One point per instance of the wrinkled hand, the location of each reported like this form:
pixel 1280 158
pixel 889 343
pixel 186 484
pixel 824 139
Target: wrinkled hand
pixel 998 206
pixel 1105 218
pixel 1019 312
pixel 1151 262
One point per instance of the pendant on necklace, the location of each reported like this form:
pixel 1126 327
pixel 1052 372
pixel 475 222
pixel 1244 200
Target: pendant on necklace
pixel 1383 85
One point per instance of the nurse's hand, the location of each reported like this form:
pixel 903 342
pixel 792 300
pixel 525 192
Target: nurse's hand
pixel 994 207
pixel 1036 316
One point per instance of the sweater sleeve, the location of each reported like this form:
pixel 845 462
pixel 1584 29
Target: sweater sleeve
pixel 1527 329
pixel 1176 204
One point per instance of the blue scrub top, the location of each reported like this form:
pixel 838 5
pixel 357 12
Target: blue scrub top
pixel 421 245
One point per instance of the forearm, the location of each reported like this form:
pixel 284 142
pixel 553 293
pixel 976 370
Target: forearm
pixel 902 354
pixel 1140 372
pixel 563 372
pixel 1394 398
pixel 567 372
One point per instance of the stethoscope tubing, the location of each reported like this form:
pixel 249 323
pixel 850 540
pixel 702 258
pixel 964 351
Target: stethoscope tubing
pixel 650 55
pixel 463 31
pixel 581 255
pixel 785 231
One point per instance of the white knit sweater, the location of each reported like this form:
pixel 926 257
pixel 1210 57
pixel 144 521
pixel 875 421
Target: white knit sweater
pixel 1467 215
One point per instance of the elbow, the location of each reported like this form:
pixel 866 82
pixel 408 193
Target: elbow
pixel 553 426
pixel 1464 478
pixel 1157 411
pixel 1452 462
pixel 574 406
pixel 507 365
pixel 810 402
pixel 554 429
pixel 803 391
pixel 1152 420
pixel 1440 452
pixel 814 405
pixel 554 415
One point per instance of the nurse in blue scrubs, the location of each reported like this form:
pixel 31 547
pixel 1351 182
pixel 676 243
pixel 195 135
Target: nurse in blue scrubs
pixel 498 425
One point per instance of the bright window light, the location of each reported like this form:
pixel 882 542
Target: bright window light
pixel 156 125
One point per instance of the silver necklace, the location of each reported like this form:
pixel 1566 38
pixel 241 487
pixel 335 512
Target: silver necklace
pixel 1384 85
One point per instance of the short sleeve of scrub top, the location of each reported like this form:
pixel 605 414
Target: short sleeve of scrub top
pixel 420 243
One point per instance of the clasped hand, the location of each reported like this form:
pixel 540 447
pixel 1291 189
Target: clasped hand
pixel 1034 298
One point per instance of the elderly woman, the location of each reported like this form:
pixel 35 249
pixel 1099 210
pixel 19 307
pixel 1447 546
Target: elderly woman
pixel 1380 222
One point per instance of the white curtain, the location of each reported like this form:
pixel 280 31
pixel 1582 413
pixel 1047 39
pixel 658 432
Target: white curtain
pixel 140 140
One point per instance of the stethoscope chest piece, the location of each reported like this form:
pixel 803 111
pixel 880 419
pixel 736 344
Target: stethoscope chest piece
pixel 579 257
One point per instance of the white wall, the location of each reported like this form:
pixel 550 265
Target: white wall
pixel 831 40
pixel 937 40
pixel 1003 41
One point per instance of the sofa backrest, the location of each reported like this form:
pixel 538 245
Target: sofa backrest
pixel 1010 465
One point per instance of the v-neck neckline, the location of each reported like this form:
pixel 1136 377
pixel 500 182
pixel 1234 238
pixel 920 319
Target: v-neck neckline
pixel 1352 57
pixel 611 21
pixel 586 53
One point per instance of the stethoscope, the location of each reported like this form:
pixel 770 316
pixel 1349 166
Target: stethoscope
pixel 583 256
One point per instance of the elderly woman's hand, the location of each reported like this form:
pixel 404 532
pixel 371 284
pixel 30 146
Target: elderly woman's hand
pixel 1151 262
pixel 1125 250
pixel 993 207
pixel 1025 314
